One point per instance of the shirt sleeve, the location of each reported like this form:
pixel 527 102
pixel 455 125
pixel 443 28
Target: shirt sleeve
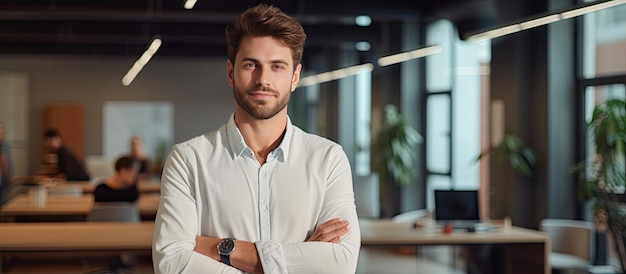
pixel 321 257
pixel 176 224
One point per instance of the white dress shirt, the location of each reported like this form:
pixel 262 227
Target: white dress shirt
pixel 212 185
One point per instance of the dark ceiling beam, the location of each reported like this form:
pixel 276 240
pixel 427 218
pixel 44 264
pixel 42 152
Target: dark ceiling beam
pixel 158 17
pixel 120 25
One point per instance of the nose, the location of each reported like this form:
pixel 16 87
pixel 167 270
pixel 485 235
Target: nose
pixel 262 75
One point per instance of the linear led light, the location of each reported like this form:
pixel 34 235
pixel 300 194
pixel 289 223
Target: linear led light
pixel 405 56
pixel 142 61
pixel 494 33
pixel 540 21
pixel 335 74
pixel 189 4
pixel 544 20
pixel 591 8
pixel 363 20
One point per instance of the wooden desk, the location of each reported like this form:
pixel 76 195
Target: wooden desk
pixel 61 205
pixel 524 250
pixel 74 236
pixel 144 186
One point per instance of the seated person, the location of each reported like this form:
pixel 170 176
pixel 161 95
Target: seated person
pixel 68 166
pixel 121 187
pixel 6 167
pixel 136 152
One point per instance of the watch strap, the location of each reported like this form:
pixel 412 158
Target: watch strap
pixel 225 259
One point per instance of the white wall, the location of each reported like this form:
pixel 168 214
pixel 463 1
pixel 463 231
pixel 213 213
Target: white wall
pixel 14 102
pixel 197 87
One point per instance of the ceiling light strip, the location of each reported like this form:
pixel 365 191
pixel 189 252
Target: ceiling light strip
pixel 142 61
pixel 591 8
pixel 544 20
pixel 335 74
pixel 189 4
pixel 540 21
pixel 409 55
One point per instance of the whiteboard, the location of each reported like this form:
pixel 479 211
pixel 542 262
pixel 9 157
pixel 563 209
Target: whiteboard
pixel 151 121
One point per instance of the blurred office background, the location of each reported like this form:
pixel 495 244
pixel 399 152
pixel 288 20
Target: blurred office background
pixel 62 59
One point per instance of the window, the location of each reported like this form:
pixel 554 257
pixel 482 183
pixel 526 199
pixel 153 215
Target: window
pixel 455 81
pixel 603 74
pixel 604 42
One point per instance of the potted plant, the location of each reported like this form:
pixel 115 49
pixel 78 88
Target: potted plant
pixel 602 179
pixel 519 155
pixel 396 144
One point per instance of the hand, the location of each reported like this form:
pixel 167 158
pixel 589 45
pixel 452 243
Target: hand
pixel 330 231
pixel 207 246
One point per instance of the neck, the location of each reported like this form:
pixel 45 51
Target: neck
pixel 115 182
pixel 262 136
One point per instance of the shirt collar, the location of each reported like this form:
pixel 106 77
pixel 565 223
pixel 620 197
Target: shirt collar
pixel 238 146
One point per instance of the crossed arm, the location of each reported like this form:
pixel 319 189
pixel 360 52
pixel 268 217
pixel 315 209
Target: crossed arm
pixel 332 247
pixel 245 256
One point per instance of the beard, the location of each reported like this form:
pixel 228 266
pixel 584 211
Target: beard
pixel 260 109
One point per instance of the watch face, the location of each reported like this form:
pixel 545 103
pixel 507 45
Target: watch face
pixel 226 246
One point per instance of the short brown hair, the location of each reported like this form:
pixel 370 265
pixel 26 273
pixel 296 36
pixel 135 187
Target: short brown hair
pixel 51 133
pixel 264 20
pixel 124 162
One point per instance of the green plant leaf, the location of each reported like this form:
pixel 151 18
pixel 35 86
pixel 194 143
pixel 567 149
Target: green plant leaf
pixel 396 143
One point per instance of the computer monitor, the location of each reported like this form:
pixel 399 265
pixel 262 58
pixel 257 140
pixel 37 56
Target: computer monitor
pixel 456 205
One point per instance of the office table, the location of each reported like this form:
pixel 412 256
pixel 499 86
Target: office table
pixel 64 205
pixel 144 186
pixel 74 236
pixel 524 250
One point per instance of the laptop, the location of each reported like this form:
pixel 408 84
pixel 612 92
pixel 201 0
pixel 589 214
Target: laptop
pixel 457 207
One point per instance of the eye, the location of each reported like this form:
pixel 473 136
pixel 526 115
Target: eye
pixel 249 65
pixel 279 67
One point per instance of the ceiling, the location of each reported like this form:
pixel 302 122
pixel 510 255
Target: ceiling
pixel 123 27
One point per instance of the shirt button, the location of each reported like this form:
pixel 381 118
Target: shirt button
pixel 264 207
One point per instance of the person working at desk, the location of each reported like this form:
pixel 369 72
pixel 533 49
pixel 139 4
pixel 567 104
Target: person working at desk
pixel 68 167
pixel 122 186
pixel 136 152
pixel 6 167
pixel 259 195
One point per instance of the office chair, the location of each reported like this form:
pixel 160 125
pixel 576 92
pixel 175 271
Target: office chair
pixel 116 212
pixel 572 243
pixel 410 216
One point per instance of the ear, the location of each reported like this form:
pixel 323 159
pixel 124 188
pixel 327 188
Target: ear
pixel 296 77
pixel 229 72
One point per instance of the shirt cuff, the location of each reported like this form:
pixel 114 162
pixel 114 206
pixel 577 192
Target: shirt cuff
pixel 272 258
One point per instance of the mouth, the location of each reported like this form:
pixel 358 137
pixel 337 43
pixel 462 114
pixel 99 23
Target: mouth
pixel 262 93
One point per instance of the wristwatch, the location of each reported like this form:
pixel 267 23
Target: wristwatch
pixel 225 248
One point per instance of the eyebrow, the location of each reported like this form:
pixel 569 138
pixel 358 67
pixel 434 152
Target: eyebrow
pixel 276 61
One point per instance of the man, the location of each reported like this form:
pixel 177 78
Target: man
pixel 136 152
pixel 259 195
pixel 121 187
pixel 68 167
